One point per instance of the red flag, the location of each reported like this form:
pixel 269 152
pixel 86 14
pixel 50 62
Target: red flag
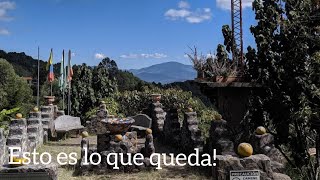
pixel 50 63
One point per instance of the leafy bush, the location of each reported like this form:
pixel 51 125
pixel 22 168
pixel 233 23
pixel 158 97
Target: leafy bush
pixel 129 103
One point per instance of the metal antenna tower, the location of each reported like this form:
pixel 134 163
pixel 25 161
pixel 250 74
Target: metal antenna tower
pixel 236 16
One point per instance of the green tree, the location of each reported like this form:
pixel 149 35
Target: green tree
pixel 102 85
pixel 82 93
pixel 14 91
pixel 286 63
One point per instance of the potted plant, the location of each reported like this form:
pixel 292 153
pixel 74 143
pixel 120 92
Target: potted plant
pixel 198 64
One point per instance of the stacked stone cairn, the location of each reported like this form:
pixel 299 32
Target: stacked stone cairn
pixel 219 138
pixel 35 129
pixel 263 143
pixel 172 128
pixel 116 144
pixel 243 160
pixel 2 147
pixel 157 114
pixel 107 142
pixel 47 115
pixel 18 136
pixel 190 134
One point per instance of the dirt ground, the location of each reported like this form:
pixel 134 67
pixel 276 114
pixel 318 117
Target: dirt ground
pixel 73 145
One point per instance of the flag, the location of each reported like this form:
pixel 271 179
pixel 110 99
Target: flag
pixel 49 60
pixel 70 71
pixel 62 83
pixel 50 66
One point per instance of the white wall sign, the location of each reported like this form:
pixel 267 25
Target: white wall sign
pixel 245 175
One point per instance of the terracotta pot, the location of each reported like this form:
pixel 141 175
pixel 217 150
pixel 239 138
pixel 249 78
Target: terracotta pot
pixel 156 97
pixel 233 79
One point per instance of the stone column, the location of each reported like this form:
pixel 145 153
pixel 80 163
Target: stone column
pixel 103 142
pixel 190 133
pixel 18 136
pixel 158 115
pixel 148 145
pixel 35 131
pixel 172 128
pixel 220 138
pixel 47 118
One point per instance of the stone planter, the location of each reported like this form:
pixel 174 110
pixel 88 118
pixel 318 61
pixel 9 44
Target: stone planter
pixel 49 99
pixel 118 126
pixel 156 97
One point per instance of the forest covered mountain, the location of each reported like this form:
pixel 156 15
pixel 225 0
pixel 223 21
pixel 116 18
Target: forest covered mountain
pixel 165 73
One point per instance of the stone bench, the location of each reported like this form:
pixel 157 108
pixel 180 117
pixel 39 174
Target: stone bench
pixel 67 125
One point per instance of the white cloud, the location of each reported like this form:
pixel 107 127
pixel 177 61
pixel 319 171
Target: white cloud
pixel 144 56
pixel 175 14
pixel 99 56
pixel 183 13
pixel 4 32
pixel 226 4
pixel 4 7
pixel 184 5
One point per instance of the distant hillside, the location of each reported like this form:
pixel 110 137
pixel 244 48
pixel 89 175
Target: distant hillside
pixel 166 73
pixel 26 66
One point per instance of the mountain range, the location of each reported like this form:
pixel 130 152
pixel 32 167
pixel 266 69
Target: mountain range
pixel 165 73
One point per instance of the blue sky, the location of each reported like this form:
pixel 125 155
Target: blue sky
pixel 135 33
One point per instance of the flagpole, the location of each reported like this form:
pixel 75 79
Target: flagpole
pixel 63 81
pixel 38 81
pixel 69 87
pixel 51 89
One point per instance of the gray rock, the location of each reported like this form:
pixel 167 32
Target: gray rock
pixel 66 123
pixel 278 176
pixel 226 163
pixel 50 170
